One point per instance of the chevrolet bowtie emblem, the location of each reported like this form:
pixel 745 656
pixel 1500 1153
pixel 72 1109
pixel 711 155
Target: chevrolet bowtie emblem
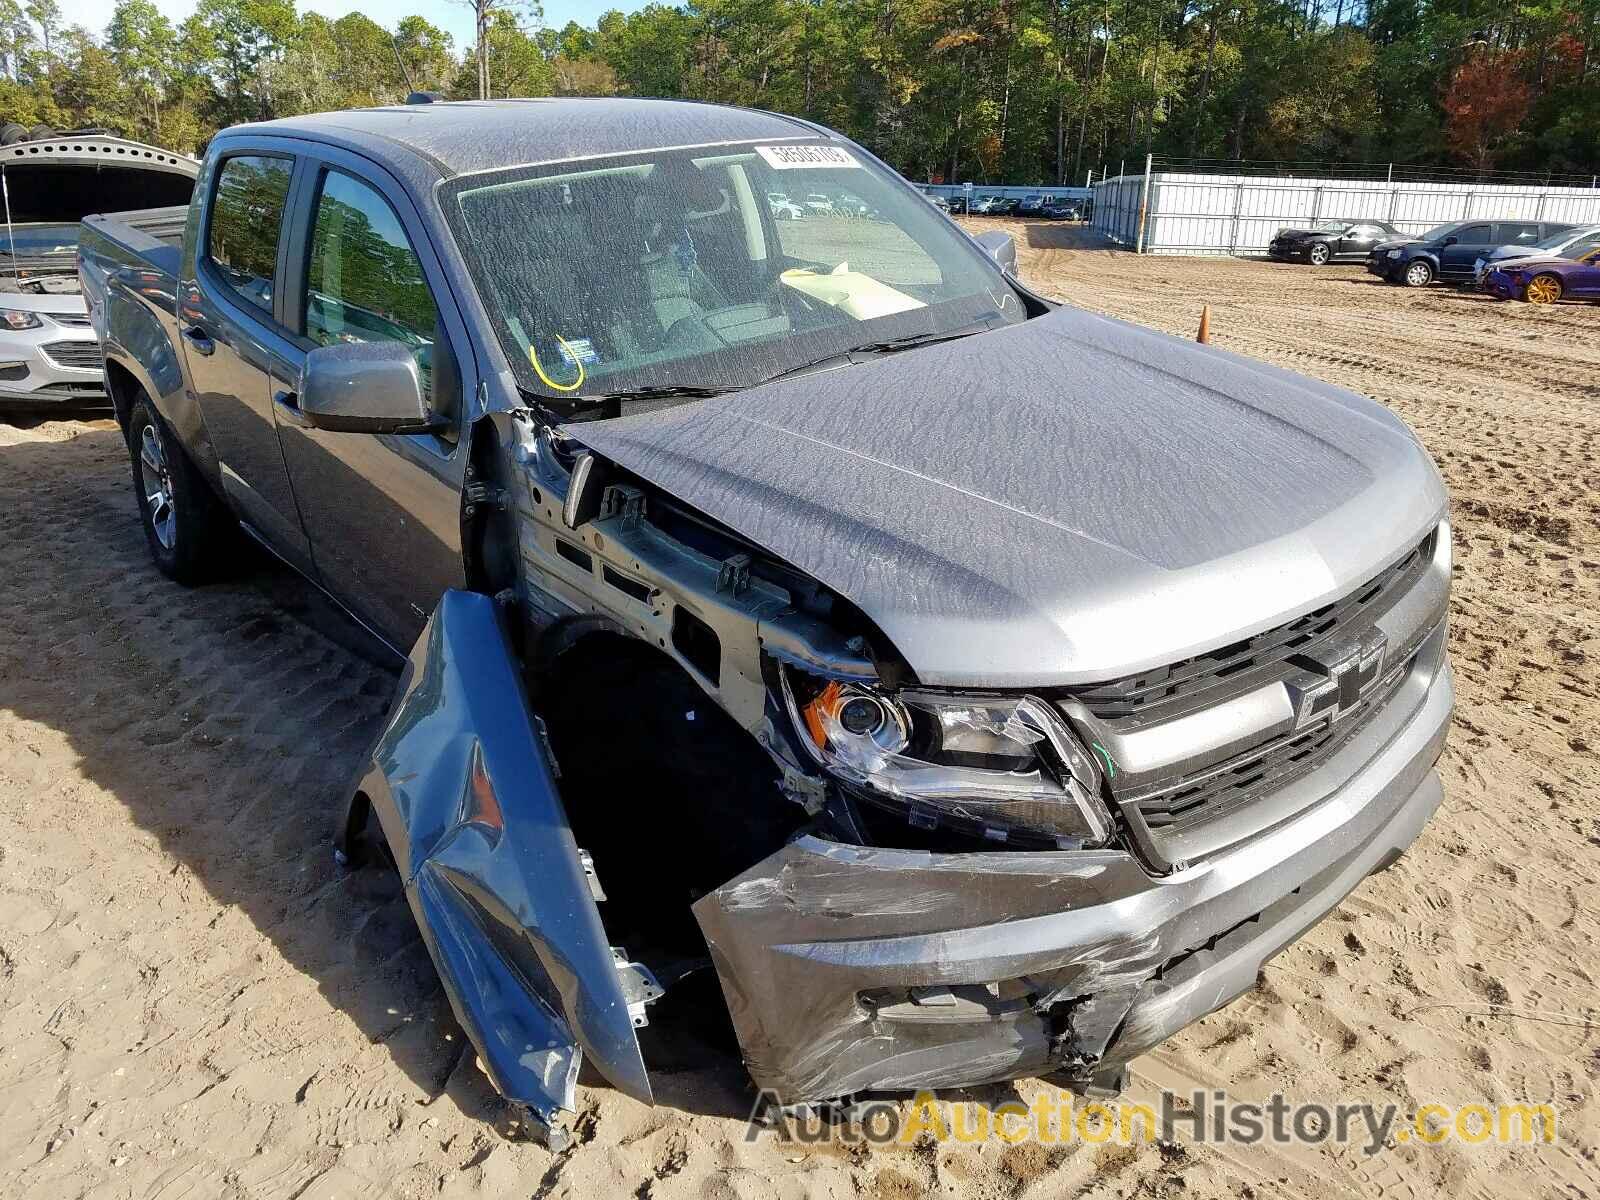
pixel 1335 677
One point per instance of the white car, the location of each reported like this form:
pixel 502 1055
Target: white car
pixel 783 208
pixel 818 203
pixel 49 354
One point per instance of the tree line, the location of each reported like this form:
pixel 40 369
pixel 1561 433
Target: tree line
pixel 1020 91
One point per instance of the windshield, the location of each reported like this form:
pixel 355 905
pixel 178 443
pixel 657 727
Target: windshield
pixel 1558 241
pixel 40 240
pixel 670 269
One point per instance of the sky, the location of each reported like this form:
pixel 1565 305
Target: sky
pixel 453 17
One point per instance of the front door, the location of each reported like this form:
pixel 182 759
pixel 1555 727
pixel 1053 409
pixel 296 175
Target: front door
pixel 383 511
pixel 229 334
pixel 1461 256
pixel 1359 240
pixel 1586 279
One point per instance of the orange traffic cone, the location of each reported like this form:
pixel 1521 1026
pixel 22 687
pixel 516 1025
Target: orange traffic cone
pixel 1204 336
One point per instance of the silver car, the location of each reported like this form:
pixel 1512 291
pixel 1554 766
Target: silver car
pixel 49 353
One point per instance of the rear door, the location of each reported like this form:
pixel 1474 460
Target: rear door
pixel 383 512
pixel 230 332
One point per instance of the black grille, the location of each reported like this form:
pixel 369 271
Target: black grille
pixel 71 320
pixel 1264 768
pixel 74 354
pixel 88 388
pixel 1208 679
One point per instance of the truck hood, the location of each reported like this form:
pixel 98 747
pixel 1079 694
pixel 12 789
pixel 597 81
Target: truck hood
pixel 1069 499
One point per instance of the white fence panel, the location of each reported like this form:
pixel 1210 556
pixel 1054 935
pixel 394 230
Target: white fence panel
pixel 1189 213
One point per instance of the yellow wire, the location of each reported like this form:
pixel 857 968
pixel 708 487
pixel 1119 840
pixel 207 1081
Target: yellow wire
pixel 533 357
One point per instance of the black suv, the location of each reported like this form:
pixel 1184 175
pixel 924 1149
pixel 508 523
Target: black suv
pixel 1452 251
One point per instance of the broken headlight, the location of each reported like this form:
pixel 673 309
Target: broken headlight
pixel 1000 762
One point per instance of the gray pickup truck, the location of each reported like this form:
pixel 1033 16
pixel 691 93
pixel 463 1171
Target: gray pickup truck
pixel 952 685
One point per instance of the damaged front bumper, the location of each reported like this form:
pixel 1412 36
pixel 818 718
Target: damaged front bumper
pixel 850 969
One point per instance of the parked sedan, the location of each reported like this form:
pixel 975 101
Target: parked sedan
pixel 1568 243
pixel 1030 206
pixel 1547 280
pixel 1060 210
pixel 1331 241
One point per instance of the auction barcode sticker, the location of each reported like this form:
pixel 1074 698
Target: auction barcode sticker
pixel 788 158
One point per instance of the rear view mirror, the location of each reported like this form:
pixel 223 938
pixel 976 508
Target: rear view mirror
pixel 1000 246
pixel 1451 240
pixel 364 387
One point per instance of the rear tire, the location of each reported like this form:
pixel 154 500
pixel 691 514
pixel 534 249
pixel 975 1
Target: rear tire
pixel 189 532
pixel 1417 274
pixel 1319 254
pixel 1543 289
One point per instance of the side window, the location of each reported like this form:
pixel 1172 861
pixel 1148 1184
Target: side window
pixel 1519 233
pixel 1367 231
pixel 246 214
pixel 1475 235
pixel 364 283
pixel 1583 246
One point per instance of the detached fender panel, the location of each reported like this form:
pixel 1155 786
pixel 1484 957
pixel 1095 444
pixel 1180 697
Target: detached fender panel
pixel 462 783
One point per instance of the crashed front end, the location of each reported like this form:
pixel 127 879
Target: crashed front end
pixel 980 885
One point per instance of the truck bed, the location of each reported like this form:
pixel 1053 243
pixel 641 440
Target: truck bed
pixel 152 234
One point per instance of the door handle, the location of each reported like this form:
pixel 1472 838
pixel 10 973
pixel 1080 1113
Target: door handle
pixel 287 406
pixel 199 340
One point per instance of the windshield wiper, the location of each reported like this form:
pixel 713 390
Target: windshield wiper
pixel 670 391
pixel 883 346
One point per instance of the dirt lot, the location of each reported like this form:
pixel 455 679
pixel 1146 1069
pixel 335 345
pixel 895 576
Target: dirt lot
pixel 195 1003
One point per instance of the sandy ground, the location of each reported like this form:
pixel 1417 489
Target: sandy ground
pixel 195 1003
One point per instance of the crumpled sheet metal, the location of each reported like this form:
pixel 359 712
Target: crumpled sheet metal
pixel 462 785
pixel 798 937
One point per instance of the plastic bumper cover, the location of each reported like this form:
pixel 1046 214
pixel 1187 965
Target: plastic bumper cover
pixel 29 375
pixel 849 969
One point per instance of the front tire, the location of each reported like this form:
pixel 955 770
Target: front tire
pixel 1319 254
pixel 1417 274
pixel 187 529
pixel 1543 289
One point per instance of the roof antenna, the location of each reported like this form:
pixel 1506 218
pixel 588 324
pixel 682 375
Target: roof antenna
pixel 11 234
pixel 404 74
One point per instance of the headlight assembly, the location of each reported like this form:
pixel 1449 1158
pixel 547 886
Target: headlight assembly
pixel 18 319
pixel 1001 762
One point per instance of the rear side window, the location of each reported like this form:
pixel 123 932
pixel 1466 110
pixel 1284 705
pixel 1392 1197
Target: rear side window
pixel 364 282
pixel 246 215
pixel 1519 233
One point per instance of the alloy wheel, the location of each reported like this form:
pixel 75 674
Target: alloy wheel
pixel 1417 274
pixel 1319 255
pixel 157 480
pixel 1546 289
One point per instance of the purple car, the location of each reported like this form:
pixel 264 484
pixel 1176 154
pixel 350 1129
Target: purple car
pixel 1545 280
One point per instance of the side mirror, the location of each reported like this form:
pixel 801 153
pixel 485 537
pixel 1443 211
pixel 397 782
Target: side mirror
pixel 1000 246
pixel 1450 241
pixel 364 387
